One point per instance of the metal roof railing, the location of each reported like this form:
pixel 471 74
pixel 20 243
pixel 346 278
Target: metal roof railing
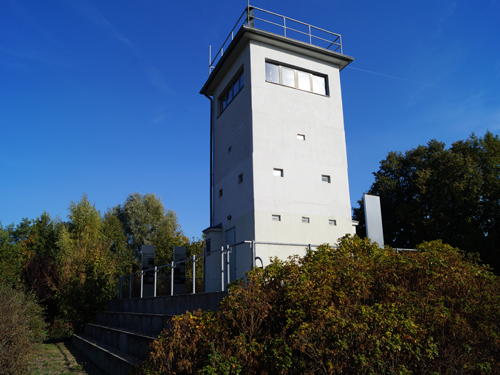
pixel 281 25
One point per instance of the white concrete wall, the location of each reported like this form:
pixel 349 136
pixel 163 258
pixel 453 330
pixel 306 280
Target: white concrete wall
pixel 232 128
pixel 279 113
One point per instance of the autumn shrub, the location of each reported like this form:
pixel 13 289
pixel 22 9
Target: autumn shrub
pixel 353 309
pixel 21 325
pixel 60 330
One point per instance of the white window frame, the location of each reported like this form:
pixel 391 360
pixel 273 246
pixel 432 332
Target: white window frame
pixel 283 79
pixel 236 85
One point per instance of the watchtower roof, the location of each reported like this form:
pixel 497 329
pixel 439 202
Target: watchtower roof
pixel 275 29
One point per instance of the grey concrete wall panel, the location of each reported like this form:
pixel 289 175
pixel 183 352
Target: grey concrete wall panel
pixel 373 217
pixel 152 324
pixel 126 342
pixel 105 359
pixel 169 305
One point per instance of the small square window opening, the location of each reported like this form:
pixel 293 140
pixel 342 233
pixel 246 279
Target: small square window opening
pixel 305 219
pixel 332 222
pixel 277 172
pixel 301 137
pixel 325 178
pixel 240 178
pixel 229 149
pixel 220 193
pixel 276 217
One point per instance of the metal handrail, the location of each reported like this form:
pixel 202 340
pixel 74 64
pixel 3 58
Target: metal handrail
pixel 225 264
pixel 250 19
pixel 225 275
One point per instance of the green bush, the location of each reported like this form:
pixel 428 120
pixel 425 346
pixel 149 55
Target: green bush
pixel 355 309
pixel 21 325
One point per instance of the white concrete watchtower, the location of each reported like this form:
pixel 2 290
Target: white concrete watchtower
pixel 278 152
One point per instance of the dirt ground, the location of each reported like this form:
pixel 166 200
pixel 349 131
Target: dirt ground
pixel 62 358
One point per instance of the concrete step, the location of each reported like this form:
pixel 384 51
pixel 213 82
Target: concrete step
pixel 169 305
pixel 135 344
pixel 152 324
pixel 108 359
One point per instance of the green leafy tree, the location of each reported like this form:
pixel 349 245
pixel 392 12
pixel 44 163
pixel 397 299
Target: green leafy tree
pixel 354 309
pixel 11 257
pixel 146 221
pixel 431 192
pixel 87 271
pixel 40 274
pixel 113 233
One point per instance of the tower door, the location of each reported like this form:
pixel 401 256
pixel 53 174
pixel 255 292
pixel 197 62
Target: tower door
pixel 230 240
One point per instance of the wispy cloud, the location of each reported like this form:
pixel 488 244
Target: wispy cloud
pixel 159 119
pixel 394 77
pixel 92 15
pixel 35 55
pixel 27 38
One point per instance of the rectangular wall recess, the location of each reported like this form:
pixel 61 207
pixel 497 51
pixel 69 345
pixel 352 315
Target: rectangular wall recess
pixel 278 172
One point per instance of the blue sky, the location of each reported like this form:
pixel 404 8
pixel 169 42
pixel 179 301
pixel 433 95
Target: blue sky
pixel 102 97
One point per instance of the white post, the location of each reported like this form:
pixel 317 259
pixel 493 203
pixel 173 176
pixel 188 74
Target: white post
pixel 222 268
pixel 228 268
pixel 142 282
pixel 154 282
pixel 194 274
pixel 172 279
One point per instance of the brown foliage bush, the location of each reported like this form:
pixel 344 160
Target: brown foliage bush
pixel 21 324
pixel 355 309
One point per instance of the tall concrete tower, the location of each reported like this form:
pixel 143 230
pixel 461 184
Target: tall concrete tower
pixel 278 152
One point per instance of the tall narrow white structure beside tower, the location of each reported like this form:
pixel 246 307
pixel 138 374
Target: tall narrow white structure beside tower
pixel 278 152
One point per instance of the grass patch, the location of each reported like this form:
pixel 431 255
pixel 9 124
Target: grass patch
pixel 61 358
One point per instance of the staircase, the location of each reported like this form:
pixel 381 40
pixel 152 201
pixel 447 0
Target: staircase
pixel 120 337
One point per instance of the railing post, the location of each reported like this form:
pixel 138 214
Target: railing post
pixel 121 286
pixel 194 274
pixel 253 254
pixel 154 282
pixel 310 40
pixel 250 17
pixel 284 26
pixel 172 279
pixel 130 287
pixel 222 267
pixel 228 268
pixel 142 282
